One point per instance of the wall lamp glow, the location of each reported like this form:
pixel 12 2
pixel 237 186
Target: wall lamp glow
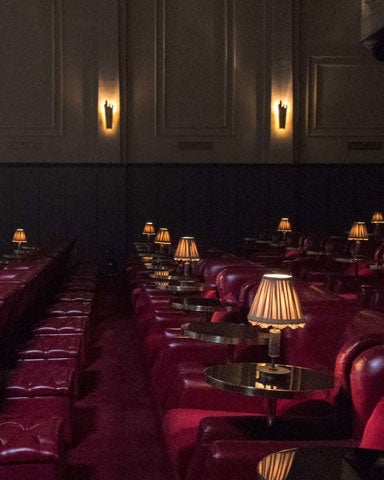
pixel 282 114
pixel 108 111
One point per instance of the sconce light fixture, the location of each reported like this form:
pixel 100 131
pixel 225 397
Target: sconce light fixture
pixel 282 114
pixel 108 111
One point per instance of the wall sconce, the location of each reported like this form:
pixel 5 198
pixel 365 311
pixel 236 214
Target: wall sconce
pixel 282 114
pixel 108 111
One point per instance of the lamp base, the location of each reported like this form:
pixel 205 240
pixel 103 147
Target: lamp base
pixel 274 375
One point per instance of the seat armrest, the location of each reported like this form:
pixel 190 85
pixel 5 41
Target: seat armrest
pixel 224 459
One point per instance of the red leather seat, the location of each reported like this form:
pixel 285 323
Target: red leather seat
pixel 359 356
pixel 31 448
pixel 69 308
pixel 75 296
pixel 41 389
pixel 60 350
pixel 66 326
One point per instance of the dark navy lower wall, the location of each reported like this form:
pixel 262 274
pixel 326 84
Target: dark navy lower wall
pixel 105 206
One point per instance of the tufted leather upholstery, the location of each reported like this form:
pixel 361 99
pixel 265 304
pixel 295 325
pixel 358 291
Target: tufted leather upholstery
pixel 64 325
pixel 31 448
pixel 69 308
pixel 40 389
pixel 29 380
pixel 75 296
pixel 63 346
pixel 25 440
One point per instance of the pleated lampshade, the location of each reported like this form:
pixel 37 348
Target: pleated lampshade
pixel 149 229
pixel 276 466
pixel 19 236
pixel 186 250
pixel 358 232
pixel 284 225
pixel 276 303
pixel 377 217
pixel 162 237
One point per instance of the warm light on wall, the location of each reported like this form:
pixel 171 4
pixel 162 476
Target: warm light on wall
pixel 282 114
pixel 108 109
pixel 108 113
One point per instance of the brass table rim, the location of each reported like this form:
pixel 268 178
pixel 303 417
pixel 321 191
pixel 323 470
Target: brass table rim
pixel 261 338
pixel 199 307
pixel 183 288
pixel 278 393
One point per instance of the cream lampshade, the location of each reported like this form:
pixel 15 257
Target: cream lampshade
pixel 277 467
pixel 19 237
pixel 284 227
pixel 277 305
pixel 149 229
pixel 358 233
pixel 377 219
pixel 186 252
pixel 162 237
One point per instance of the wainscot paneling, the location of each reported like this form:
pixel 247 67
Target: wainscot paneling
pixel 105 207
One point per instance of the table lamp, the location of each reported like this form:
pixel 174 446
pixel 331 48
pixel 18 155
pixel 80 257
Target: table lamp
pixel 276 466
pixel 358 233
pixel 19 237
pixel 284 227
pixel 377 219
pixel 149 231
pixel 162 238
pixel 186 252
pixel 277 305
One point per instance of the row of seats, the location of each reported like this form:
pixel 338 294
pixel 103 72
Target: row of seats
pixel 47 333
pixel 215 434
pixel 316 258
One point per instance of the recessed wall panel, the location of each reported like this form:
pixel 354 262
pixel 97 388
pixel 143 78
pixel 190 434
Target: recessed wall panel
pixel 30 52
pixel 195 60
pixel 345 96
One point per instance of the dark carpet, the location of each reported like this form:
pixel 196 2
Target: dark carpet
pixel 117 433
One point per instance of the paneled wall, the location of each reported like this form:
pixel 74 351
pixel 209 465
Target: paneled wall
pixel 340 86
pixel 105 207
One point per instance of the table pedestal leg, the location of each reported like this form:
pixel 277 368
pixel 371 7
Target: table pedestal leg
pixel 231 353
pixel 356 269
pixel 271 413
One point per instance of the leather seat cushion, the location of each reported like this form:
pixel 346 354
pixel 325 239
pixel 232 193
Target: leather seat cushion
pixel 52 346
pixel 29 440
pixel 69 308
pixel 28 380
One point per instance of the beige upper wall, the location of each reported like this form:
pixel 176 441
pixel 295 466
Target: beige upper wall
pixel 201 82
pixel 61 61
pixel 341 102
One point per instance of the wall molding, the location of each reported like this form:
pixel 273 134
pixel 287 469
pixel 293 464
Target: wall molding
pixel 175 120
pixel 49 120
pixel 344 97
